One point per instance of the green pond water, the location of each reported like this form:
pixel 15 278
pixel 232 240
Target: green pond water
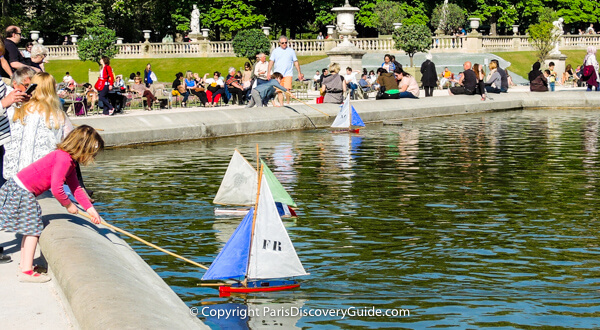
pixel 468 222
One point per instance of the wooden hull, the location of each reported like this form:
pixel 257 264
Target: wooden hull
pixel 258 286
pixel 352 130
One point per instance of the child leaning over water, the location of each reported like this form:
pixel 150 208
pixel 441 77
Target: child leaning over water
pixel 21 213
pixel 261 94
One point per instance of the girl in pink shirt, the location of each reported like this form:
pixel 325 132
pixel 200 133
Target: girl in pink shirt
pixel 21 213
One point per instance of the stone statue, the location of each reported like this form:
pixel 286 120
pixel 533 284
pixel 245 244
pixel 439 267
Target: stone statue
pixel 557 32
pixel 195 21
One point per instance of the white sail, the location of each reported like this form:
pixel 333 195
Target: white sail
pixel 239 183
pixel 342 120
pixel 272 254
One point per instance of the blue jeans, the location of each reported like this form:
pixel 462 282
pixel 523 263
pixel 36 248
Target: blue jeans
pixel 406 95
pixel 552 84
pixel 491 89
pixel 352 87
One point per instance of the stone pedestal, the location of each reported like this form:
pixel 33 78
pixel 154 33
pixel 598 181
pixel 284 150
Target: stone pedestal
pixel 195 37
pixel 559 63
pixel 473 43
pixel 346 55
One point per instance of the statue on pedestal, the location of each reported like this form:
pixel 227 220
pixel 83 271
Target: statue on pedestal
pixel 557 32
pixel 195 21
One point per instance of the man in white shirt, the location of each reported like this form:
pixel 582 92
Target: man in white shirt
pixel 317 80
pixel 283 60
pixel 261 68
pixel 350 79
pixel 590 29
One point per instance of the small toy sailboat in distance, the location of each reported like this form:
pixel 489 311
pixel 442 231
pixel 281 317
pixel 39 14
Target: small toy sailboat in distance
pixel 346 118
pixel 259 251
pixel 239 188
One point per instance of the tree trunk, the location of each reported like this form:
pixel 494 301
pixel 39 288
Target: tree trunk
pixel 411 59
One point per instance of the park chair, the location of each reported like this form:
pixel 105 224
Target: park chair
pixel 301 89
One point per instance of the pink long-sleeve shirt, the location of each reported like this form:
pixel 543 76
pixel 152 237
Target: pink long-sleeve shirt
pixel 51 172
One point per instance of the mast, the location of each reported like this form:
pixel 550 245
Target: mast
pixel 349 113
pixel 245 282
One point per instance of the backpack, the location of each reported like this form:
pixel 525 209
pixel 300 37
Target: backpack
pixel 587 72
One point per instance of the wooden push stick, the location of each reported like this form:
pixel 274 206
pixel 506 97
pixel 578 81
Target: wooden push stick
pixel 306 104
pixel 145 242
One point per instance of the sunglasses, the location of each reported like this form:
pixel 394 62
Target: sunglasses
pixel 283 43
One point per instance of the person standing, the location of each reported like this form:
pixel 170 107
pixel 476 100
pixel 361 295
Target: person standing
pixel 591 61
pixel 106 74
pixel 11 52
pixel 429 78
pixel 283 60
pixel 149 76
pixel 261 68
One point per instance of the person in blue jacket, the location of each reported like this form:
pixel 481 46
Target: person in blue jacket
pixel 265 91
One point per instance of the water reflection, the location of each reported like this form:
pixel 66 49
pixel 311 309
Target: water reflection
pixel 470 222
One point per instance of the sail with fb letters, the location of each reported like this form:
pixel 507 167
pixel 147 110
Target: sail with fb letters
pixel 272 254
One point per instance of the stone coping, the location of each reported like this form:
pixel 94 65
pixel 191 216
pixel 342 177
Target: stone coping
pixel 139 127
pixel 106 284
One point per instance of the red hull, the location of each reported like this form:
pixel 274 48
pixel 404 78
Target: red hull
pixel 230 289
pixel 347 131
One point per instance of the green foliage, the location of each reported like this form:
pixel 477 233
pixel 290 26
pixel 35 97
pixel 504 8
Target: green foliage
pixel 547 15
pixel 97 42
pixel 180 22
pixel 418 19
pixel 231 16
pixel 412 39
pixel 578 11
pixel 455 18
pixel 248 43
pixel 387 13
pixel 542 39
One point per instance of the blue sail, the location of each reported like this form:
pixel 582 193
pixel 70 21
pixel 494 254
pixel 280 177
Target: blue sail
pixel 356 120
pixel 232 261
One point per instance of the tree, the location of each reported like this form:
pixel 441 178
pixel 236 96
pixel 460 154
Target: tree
pixel 231 16
pixel 412 39
pixel 453 21
pixel 542 39
pixel 248 43
pixel 97 42
pixel 388 13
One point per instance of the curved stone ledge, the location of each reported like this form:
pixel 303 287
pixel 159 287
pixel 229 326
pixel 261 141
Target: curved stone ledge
pixel 199 123
pixel 106 284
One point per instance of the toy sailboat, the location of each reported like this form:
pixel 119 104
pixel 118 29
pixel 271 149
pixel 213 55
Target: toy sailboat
pixel 346 118
pixel 259 251
pixel 239 188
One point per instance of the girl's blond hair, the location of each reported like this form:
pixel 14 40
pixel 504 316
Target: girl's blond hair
pixel 83 144
pixel 188 75
pixel 43 101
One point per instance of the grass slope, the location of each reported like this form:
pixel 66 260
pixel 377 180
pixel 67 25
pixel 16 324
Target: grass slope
pixel 521 62
pixel 164 68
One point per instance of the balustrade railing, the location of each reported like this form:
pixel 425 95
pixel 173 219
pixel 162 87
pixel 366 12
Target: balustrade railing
pixel 319 47
pixel 447 43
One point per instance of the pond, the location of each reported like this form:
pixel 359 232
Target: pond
pixel 473 221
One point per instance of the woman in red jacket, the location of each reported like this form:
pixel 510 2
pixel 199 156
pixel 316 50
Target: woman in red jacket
pixel 106 74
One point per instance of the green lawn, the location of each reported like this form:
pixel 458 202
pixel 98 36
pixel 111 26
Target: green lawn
pixel 164 68
pixel 521 62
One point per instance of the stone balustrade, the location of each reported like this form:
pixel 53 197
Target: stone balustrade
pixel 450 44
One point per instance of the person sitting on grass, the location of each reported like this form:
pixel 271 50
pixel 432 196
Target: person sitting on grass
pixel 262 93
